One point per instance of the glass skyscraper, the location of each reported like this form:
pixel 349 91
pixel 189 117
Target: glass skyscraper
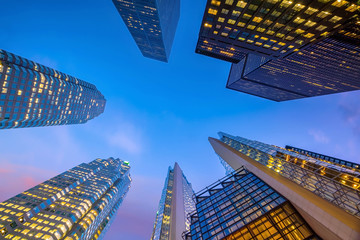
pixel 152 24
pixel 32 95
pixel 175 204
pixel 325 190
pixel 242 206
pixel 77 204
pixel 283 50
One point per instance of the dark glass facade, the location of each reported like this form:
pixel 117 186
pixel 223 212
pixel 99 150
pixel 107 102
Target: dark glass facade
pixel 242 206
pixel 152 24
pixel 80 203
pixel 33 95
pixel 283 50
pixel 335 182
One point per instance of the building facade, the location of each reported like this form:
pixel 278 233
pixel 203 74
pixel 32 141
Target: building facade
pixel 325 192
pixel 77 204
pixel 242 206
pixel 33 95
pixel 152 24
pixel 175 204
pixel 283 50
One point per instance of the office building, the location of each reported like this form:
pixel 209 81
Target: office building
pixel 77 204
pixel 175 204
pixel 152 24
pixel 324 191
pixel 242 206
pixel 284 50
pixel 33 95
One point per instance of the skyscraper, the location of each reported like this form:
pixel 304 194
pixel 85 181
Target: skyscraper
pixel 175 204
pixel 283 50
pixel 77 204
pixel 325 192
pixel 242 206
pixel 152 24
pixel 33 95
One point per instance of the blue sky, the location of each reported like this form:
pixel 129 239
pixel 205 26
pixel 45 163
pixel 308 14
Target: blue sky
pixel 156 113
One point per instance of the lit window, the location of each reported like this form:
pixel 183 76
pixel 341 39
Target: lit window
pixel 229 2
pixel 310 23
pixel 352 8
pixel 241 24
pixel 272 1
pixel 257 19
pixel 311 10
pixel 216 3
pixel 268 22
pixel 339 3
pixel 236 13
pixel 231 21
pixel 251 27
pixel 299 31
pixel 270 32
pixel 207 25
pixel 212 11
pixel 321 28
pixel 298 20
pixel 285 3
pixel 309 35
pixel 289 38
pixel 225 11
pixel 247 16
pixel 224 34
pixel 220 19
pixel 298 7
pixel 335 19
pixel 280 35
pixel 323 14
pixel 241 4
pixel 259 29
pixel 253 7
pixel 275 13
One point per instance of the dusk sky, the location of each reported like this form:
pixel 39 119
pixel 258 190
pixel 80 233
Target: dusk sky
pixel 156 113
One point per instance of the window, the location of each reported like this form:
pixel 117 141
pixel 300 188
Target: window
pixel 220 19
pixel 212 11
pixel 311 10
pixel 323 14
pixel 236 13
pixel 231 21
pixel 229 2
pixel 241 4
pixel 335 19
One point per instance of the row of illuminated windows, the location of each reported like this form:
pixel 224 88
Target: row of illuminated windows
pixel 350 7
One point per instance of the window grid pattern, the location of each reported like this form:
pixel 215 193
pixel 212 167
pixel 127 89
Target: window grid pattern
pixel 76 204
pixel 274 28
pixel 338 184
pixel 163 219
pixel 322 157
pixel 33 95
pixel 152 24
pixel 241 206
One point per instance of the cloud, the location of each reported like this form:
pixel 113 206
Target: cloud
pixel 349 107
pixel 19 178
pixel 126 139
pixel 319 136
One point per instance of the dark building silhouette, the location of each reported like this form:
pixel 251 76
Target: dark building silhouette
pixel 152 24
pixel 283 50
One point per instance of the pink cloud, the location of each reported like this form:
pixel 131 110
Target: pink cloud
pixel 16 178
